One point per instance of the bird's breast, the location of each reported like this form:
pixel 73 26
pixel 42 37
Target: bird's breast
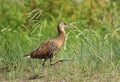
pixel 59 43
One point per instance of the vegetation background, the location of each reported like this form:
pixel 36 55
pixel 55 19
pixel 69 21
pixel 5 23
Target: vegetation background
pixel 94 46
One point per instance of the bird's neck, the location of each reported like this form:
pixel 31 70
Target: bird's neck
pixel 61 33
pixel 61 30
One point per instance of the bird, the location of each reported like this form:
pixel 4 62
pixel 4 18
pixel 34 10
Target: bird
pixel 51 47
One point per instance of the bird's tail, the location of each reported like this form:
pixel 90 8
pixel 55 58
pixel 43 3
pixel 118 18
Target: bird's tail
pixel 27 56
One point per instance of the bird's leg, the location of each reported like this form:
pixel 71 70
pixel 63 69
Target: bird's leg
pixel 61 60
pixel 43 64
pixel 43 70
pixel 51 61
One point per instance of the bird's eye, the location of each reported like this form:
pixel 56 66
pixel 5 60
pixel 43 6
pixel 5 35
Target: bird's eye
pixel 64 23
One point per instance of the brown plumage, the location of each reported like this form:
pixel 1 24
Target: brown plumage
pixel 49 48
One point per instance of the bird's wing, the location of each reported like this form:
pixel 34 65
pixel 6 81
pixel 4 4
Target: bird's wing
pixel 45 48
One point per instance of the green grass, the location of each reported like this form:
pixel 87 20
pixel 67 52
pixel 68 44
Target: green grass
pixel 94 47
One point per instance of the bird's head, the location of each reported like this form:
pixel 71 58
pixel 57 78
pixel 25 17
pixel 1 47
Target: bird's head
pixel 62 24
